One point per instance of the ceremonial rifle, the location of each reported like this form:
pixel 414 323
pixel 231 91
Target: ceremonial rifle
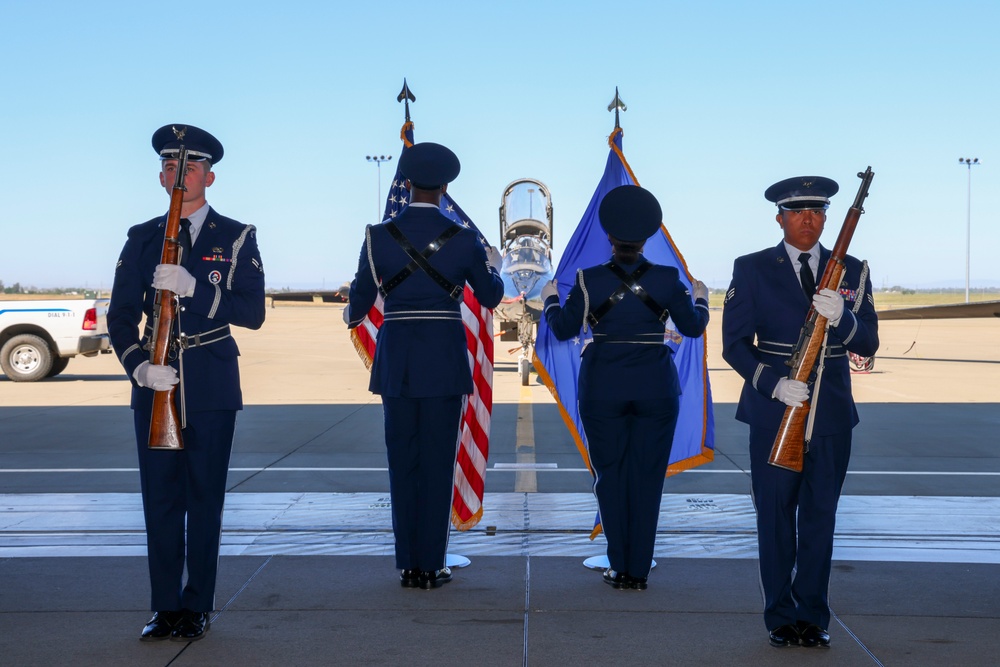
pixel 788 450
pixel 165 424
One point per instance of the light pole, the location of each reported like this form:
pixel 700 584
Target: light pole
pixel 968 162
pixel 378 160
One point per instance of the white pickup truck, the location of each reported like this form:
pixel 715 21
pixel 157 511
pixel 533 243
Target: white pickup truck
pixel 38 337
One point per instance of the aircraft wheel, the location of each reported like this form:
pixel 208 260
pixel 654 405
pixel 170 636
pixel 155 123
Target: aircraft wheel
pixel 524 368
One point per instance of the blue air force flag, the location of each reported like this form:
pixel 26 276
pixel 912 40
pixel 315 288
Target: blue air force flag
pixel 558 363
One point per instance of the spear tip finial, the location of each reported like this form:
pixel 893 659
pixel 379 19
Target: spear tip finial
pixel 406 96
pixel 617 104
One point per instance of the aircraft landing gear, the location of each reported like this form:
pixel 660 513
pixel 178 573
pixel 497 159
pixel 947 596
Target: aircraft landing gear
pixel 526 335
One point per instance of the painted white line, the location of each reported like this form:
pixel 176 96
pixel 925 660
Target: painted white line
pixel 515 467
pixel 526 466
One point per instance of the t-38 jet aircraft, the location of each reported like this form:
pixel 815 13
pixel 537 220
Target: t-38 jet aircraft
pixel 526 238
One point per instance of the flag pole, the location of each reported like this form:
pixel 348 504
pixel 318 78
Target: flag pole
pixel 601 562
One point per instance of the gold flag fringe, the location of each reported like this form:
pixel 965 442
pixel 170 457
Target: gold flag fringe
pixel 360 347
pixel 457 522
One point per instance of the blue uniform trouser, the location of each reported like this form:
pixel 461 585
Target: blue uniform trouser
pixel 787 500
pixel 181 489
pixel 421 440
pixel 629 444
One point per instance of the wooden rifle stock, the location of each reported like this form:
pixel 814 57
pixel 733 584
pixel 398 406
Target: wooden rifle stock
pixel 165 423
pixel 789 446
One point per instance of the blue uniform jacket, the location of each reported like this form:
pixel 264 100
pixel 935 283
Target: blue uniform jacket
pixel 633 370
pixel 421 349
pixel 226 264
pixel 764 312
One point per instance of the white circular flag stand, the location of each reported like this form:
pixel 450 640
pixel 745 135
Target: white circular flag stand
pixel 601 563
pixel 454 560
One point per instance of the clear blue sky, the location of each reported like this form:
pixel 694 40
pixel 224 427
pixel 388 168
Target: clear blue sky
pixel 724 99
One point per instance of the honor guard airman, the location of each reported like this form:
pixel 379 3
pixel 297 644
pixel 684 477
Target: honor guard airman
pixel 629 391
pixel 765 309
pixel 419 263
pixel 219 283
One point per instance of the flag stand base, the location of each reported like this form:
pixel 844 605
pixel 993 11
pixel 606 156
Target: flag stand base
pixel 601 563
pixel 454 560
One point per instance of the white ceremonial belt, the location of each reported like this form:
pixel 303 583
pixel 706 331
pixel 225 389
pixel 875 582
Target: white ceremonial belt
pixel 422 315
pixel 187 341
pixel 785 349
pixel 197 340
pixel 637 338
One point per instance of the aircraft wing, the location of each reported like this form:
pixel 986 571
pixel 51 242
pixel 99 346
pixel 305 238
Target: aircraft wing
pixel 944 312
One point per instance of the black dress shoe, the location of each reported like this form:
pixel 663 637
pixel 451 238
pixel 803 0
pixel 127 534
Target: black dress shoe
pixel 786 635
pixel 409 578
pixel 618 580
pixel 636 583
pixel 812 635
pixel 160 626
pixel 191 627
pixel 435 579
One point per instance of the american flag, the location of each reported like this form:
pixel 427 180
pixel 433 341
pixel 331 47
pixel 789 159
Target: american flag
pixel 474 447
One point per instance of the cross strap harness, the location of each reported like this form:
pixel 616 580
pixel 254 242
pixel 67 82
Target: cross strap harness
pixel 419 261
pixel 630 283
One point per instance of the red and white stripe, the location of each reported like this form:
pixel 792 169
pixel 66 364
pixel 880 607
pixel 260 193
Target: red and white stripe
pixel 364 334
pixel 474 444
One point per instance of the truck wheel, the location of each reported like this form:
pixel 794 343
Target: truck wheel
pixel 59 364
pixel 25 358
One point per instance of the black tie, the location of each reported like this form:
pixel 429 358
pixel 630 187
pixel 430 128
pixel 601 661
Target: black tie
pixel 806 275
pixel 184 239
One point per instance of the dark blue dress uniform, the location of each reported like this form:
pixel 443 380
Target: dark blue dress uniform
pixel 628 386
pixel 764 311
pixel 187 487
pixel 421 366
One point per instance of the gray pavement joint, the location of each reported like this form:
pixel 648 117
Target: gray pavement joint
pixel 857 639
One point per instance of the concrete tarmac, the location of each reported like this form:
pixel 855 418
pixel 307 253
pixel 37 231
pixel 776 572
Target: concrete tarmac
pixel 306 574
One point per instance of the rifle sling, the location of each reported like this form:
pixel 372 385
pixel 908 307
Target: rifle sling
pixel 630 283
pixel 419 261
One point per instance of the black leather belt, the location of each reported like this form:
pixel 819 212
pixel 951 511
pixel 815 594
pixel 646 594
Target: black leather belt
pixel 419 261
pixel 630 283
pixel 187 341
pixel 206 338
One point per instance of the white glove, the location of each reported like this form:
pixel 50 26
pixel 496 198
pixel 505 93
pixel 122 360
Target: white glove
pixel 830 305
pixel 550 289
pixel 157 378
pixel 494 257
pixel 699 290
pixel 174 278
pixel 347 314
pixel 791 392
